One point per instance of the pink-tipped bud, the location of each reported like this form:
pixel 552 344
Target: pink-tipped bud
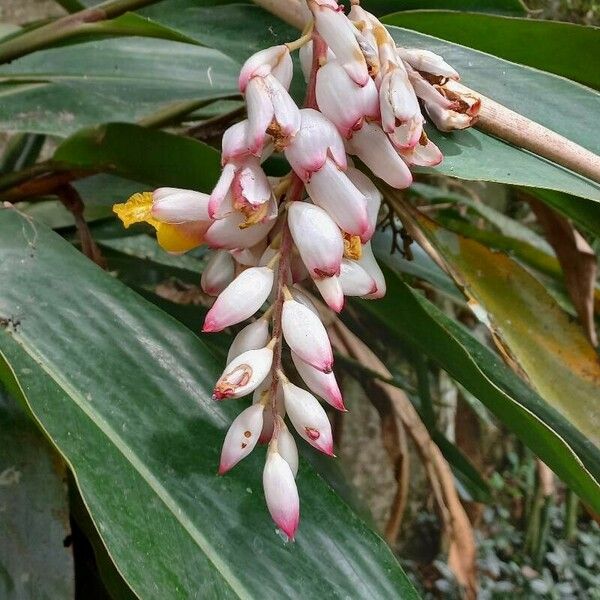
pixel 230 233
pixel 369 264
pixel 330 189
pixel 240 299
pixel 252 337
pixel 315 141
pixel 343 102
pixel 400 112
pixel 374 148
pixel 355 281
pixel 306 335
pixel 281 493
pixel 275 60
pixel 340 35
pixel 322 384
pixel 308 417
pixel 219 202
pixel 174 205
pixel 299 295
pixel 244 374
pixel 428 62
pixel 235 142
pixel 270 107
pixel 373 196
pixel 241 437
pixel 286 444
pixel 250 186
pixel 318 239
pixel 424 154
pixel 331 291
pixel 218 273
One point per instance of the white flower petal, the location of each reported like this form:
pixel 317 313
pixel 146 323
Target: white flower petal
pixel 317 238
pixel 331 290
pixel 244 374
pixel 322 384
pixel 241 437
pixel 252 337
pixel 240 299
pixel 306 335
pixel 218 273
pixel 308 417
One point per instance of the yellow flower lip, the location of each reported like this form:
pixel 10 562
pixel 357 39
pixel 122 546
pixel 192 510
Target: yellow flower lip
pixel 137 209
pixel 174 238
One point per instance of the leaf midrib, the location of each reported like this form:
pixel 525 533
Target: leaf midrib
pixel 131 458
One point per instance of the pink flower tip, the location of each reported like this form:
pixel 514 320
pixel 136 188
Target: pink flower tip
pixel 223 468
pixel 289 527
pixel 210 325
pixel 222 395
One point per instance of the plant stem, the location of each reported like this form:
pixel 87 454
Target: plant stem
pixel 65 28
pixel 494 118
pixel 571 509
pixel 283 274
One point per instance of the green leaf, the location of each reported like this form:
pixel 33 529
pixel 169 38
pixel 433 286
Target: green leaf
pixel 141 154
pixel 501 7
pixel 22 150
pixel 61 90
pixel 551 349
pixel 409 316
pixel 562 48
pixel 34 519
pixel 124 391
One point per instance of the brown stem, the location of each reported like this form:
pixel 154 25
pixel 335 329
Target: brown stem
pixel 319 54
pixel 283 276
pixel 494 118
pixel 46 184
pixel 71 200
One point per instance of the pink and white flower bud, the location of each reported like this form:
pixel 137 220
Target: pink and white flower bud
pixel 400 112
pixel 330 189
pixel 252 337
pixel 428 62
pixel 318 239
pixel 275 60
pixel 281 494
pixel 322 384
pixel 355 281
pixel 229 233
pixel 244 374
pixel 235 142
pixel 340 35
pixel 316 140
pixel 374 148
pixel 424 154
pixel 306 335
pixel 300 296
pixel 271 108
pixel 240 299
pixel 174 205
pixel 242 185
pixel 331 290
pixel 286 444
pixel 218 273
pixel 305 54
pixel 241 437
pixel 308 417
pixel 373 197
pixel 344 102
pixel 369 264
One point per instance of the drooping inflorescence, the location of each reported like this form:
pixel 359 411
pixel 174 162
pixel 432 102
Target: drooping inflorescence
pixel 272 237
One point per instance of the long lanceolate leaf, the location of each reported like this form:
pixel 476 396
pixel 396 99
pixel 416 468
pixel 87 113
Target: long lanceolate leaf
pixel 122 389
pixel 408 315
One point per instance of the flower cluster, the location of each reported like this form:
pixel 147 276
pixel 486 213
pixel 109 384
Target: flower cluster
pixel 272 236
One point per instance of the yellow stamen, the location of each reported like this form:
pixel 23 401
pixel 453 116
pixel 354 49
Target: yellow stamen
pixel 352 247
